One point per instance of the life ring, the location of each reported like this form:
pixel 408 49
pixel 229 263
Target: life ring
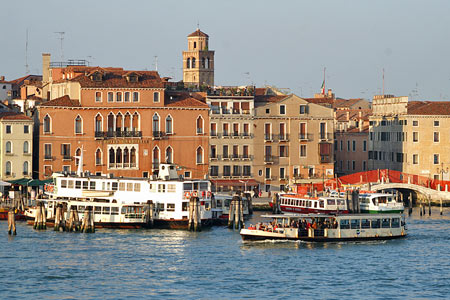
pixel 187 195
pixel 48 188
pixel 209 194
pixel 194 194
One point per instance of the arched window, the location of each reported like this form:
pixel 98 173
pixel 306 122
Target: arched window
pixel 169 155
pixel 25 168
pixel 78 125
pixel 127 122
pixel 47 124
pixel 118 156
pixel 112 157
pixel 199 125
pixel 25 147
pixel 98 157
pixel 133 157
pixel 207 63
pixel 199 155
pixel 8 168
pixel 135 122
pixel 126 157
pixel 155 124
pixel 155 158
pixel 98 123
pixel 110 123
pixel 169 124
pixel 8 147
pixel 188 63
pixel 193 62
pixel 119 119
pixel 203 63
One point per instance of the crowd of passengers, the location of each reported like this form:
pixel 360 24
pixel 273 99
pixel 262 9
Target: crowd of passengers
pixel 300 224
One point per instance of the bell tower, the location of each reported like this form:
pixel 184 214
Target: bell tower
pixel 198 60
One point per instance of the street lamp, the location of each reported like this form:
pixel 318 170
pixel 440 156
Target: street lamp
pixel 442 171
pixel 245 184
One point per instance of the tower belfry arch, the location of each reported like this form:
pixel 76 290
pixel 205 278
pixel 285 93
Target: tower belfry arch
pixel 198 60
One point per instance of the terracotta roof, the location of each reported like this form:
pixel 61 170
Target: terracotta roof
pixel 13 116
pixel 116 78
pixel 198 33
pixel 341 115
pixel 260 91
pixel 429 108
pixel 186 100
pixel 365 129
pixel 345 103
pixel 270 98
pixel 62 101
pixel 320 100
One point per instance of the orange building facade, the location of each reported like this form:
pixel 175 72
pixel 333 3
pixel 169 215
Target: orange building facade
pixel 124 122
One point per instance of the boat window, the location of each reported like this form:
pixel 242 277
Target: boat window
pixel 315 204
pixel 389 199
pixel 160 206
pixel 64 183
pixel 103 186
pixel 121 186
pixel 203 186
pixel 227 202
pixel 170 206
pixel 85 185
pixel 376 223
pixel 97 210
pixel 365 223
pixel 207 205
pixel 185 205
pixel 115 186
pixel 70 184
pixel 171 188
pixel 331 202
pixel 386 223
pixel 137 187
pixel 218 202
pixel 114 210
pixel 321 204
pixel 354 224
pixel 187 186
pixel 81 209
pixel 395 223
pixel 129 186
pixel 382 200
pixel 297 202
pixel 92 185
pixel 108 186
pixel 345 224
pixel 124 210
pixel 308 204
pixel 78 184
pixel 195 186
pixel 105 210
pixel 161 188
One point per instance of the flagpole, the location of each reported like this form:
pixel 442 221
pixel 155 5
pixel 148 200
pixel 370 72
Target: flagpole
pixel 324 68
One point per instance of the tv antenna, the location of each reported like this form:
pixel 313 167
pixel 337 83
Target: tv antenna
pixel 61 38
pixel 156 62
pixel 27 69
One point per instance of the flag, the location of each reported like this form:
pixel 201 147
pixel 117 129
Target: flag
pixel 322 89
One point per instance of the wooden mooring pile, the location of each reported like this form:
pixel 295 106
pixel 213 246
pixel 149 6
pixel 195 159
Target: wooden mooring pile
pixel 195 218
pixel 236 213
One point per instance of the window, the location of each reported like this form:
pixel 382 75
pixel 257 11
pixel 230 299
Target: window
pixel 364 165
pixel 436 123
pixel 155 124
pixel 98 96
pixel 110 96
pixel 282 173
pixel 214 171
pixel 246 129
pixel 348 145
pixel 119 97
pixel 47 124
pixel 78 125
pixel 226 171
pixel 156 97
pixel 169 155
pixel 199 124
pixel 436 137
pixel 47 151
pixel 236 170
pixel 415 159
pixel 199 155
pixel 302 150
pixel 26 147
pixel 8 128
pixel 168 124
pixel 353 165
pixel 436 159
pixel 267 173
pixel 98 157
pixel 282 109
pixel 213 130
pixel 415 136
pixel 284 151
pixel 415 123
pixel 323 131
pixel 135 97
pixel 8 168
pixel 353 146
pixel 8 147
pixel 267 110
pixel 245 153
pixel 247 170
pixel 303 109
pixel 65 151
pixel 26 129
pixel 225 129
pixel 364 146
pixel 25 168
pixel 126 97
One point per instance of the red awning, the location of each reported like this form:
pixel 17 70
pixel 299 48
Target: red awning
pixel 234 182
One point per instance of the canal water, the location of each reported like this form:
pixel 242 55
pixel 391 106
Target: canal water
pixel 216 264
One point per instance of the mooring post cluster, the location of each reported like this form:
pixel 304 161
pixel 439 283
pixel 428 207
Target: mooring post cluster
pixel 236 213
pixel 40 218
pixel 195 219
pixel 12 221
pixel 87 224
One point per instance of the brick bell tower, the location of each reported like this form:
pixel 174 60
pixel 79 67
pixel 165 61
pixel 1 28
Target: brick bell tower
pixel 198 60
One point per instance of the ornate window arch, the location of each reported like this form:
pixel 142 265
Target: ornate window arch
pixel 155 123
pixel 98 157
pixel 199 124
pixel 98 122
pixel 47 124
pixel 78 125
pixel 169 155
pixel 193 62
pixel 155 157
pixel 199 155
pixel 169 124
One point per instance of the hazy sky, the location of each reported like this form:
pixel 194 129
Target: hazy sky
pixel 282 43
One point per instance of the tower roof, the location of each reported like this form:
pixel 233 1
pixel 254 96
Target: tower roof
pixel 198 32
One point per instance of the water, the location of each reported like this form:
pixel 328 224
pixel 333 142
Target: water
pixel 216 264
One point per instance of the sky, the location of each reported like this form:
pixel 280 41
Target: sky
pixel 286 44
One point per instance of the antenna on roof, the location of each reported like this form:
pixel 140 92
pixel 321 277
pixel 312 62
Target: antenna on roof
pixel 27 69
pixel 198 25
pixel 383 82
pixel 156 62
pixel 61 38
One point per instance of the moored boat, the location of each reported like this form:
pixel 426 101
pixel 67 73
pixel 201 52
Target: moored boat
pixel 375 203
pixel 295 203
pixel 328 228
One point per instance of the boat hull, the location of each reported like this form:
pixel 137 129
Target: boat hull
pixel 394 211
pixel 4 215
pixel 303 210
pixel 249 237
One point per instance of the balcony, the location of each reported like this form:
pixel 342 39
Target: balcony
pixel 283 137
pixel 213 157
pixel 305 136
pixel 117 134
pixel 214 134
pixel 48 157
pixel 225 135
pixel 234 156
pixel 158 135
pixel 325 159
pixel 246 157
pixel 325 136
pixel 269 159
pixel 226 157
pixel 236 135
pixel 268 137
pixel 66 157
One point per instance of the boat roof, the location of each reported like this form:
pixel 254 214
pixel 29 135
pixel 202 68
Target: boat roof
pixel 92 176
pixel 300 216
